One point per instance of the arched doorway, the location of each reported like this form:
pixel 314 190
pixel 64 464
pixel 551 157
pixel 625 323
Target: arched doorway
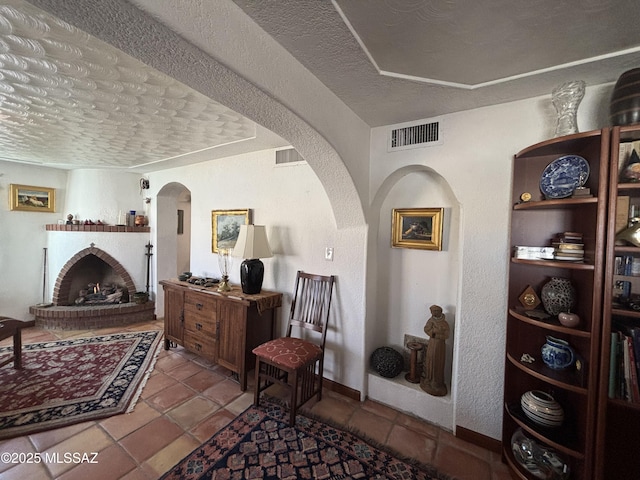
pixel 173 242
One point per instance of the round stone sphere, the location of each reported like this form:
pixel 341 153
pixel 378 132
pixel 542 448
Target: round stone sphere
pixel 387 362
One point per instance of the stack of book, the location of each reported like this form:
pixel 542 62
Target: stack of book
pixel 533 253
pixel 568 247
pixel 624 365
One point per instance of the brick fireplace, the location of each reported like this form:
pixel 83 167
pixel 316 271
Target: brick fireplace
pixel 91 264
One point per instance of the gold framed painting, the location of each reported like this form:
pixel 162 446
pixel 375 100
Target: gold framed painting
pixel 32 199
pixel 419 228
pixel 225 227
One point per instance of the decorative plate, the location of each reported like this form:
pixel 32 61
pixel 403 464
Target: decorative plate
pixel 562 176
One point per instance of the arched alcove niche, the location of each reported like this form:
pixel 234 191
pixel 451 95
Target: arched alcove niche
pixel 173 250
pixel 407 281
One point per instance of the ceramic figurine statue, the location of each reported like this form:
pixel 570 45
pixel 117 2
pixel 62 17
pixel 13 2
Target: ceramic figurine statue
pixel 437 328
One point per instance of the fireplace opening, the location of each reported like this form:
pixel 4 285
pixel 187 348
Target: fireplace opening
pixel 92 277
pixel 95 282
pixel 98 279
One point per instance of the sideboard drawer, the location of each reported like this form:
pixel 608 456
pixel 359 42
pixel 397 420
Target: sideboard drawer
pixel 202 346
pixel 201 304
pixel 200 325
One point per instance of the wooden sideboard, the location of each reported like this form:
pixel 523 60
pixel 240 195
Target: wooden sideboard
pixel 223 327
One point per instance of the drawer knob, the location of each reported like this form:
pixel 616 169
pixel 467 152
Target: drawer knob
pixel 198 326
pixel 199 306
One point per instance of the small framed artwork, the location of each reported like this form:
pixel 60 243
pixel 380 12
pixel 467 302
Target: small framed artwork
pixel 225 227
pixel 417 228
pixel 32 199
pixel 180 222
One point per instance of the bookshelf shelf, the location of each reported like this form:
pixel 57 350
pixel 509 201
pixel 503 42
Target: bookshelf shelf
pixel 547 222
pixel 551 324
pixel 560 203
pixel 555 264
pixel 557 378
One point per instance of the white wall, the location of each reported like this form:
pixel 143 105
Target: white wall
pixel 23 238
pixel 102 194
pixel 475 161
pixel 292 204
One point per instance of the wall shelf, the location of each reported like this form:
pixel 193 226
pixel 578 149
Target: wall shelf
pixel 96 228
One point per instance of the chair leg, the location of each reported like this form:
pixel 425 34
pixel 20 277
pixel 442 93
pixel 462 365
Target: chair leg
pixel 256 389
pixel 320 374
pixel 294 400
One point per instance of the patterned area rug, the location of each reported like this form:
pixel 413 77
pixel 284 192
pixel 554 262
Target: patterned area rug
pixel 71 381
pixel 260 444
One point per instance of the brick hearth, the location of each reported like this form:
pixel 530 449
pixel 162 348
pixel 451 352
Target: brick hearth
pixel 92 316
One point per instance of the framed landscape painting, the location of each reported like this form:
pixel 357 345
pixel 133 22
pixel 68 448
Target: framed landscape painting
pixel 225 227
pixel 417 228
pixel 32 199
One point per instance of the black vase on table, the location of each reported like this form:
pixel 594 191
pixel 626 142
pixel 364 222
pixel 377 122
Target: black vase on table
pixel 251 276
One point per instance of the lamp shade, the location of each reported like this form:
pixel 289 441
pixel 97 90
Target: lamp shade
pixel 252 245
pixel 252 242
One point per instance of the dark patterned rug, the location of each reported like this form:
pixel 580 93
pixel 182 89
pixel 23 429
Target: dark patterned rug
pixel 259 444
pixel 71 381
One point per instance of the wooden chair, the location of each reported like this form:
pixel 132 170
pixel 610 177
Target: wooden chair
pixel 297 362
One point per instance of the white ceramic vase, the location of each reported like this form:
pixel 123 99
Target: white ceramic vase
pixel 542 409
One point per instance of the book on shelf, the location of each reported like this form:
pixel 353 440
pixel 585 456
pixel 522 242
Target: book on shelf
pixel 634 393
pixel 627 265
pixel 613 361
pixel 621 288
pixel 624 364
pixel 622 213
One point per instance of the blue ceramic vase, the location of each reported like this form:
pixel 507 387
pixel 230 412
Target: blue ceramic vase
pixel 557 353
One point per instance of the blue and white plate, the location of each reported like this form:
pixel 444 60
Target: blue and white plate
pixel 562 176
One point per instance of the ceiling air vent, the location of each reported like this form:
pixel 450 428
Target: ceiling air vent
pixel 288 156
pixel 415 135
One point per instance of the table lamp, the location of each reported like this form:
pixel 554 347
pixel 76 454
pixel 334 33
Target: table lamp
pixel 252 245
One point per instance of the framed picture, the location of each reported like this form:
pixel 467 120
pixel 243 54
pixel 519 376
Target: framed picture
pixel 225 227
pixel 180 222
pixel 417 228
pixel 32 199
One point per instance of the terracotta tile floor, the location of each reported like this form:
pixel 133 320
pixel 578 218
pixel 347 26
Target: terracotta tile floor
pixel 186 400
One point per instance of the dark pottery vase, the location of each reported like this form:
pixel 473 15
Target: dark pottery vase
pixel 387 362
pixel 558 295
pixel 624 108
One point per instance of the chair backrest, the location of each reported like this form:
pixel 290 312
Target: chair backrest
pixel 311 303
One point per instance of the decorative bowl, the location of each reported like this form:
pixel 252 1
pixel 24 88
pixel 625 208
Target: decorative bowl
pixel 540 461
pixel 542 409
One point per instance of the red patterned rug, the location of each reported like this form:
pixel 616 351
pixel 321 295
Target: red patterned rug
pixel 260 444
pixel 71 381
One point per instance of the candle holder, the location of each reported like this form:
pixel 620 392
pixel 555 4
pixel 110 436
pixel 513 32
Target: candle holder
pixel 224 262
pixel 414 372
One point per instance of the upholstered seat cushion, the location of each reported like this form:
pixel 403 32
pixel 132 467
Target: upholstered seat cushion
pixel 288 352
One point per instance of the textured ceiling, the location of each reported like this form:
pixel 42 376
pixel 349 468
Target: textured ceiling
pixel 70 100
pixel 394 61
